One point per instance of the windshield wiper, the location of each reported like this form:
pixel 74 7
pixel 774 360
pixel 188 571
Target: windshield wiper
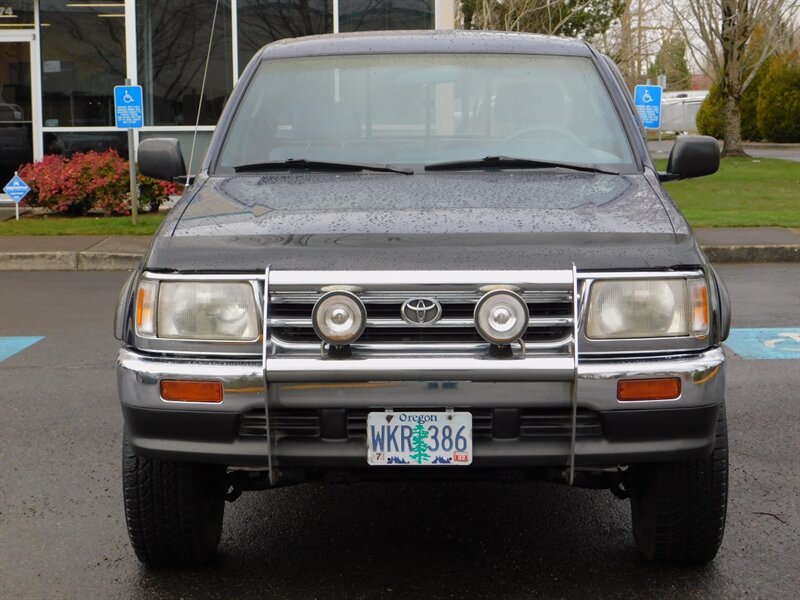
pixel 302 163
pixel 491 162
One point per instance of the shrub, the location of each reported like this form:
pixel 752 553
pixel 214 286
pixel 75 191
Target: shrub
pixel 74 186
pixel 710 116
pixel 90 181
pixel 152 192
pixel 779 101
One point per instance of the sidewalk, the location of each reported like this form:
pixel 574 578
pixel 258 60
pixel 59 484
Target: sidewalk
pixel 121 253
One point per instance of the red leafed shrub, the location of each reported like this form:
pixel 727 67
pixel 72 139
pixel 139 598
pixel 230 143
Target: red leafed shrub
pixel 73 186
pixel 152 192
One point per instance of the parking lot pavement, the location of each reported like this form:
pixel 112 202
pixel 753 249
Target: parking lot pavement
pixel 62 533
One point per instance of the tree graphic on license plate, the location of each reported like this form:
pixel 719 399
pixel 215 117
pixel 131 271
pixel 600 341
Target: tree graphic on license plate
pixel 419 448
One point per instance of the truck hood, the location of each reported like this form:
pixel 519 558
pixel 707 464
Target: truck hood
pixel 486 220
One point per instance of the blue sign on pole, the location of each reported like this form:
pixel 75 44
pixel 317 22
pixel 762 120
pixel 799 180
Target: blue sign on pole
pixel 17 189
pixel 647 99
pixel 128 106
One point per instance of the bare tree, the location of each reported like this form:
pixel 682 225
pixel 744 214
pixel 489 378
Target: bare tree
pixel 553 17
pixel 634 39
pixel 719 35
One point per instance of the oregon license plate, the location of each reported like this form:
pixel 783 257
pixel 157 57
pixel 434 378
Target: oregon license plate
pixel 419 438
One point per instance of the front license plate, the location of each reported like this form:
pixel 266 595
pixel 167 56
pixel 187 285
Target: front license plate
pixel 419 438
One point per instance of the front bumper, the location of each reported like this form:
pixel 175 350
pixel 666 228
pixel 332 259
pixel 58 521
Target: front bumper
pixel 621 432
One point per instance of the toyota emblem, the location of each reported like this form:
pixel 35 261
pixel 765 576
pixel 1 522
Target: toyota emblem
pixel 421 311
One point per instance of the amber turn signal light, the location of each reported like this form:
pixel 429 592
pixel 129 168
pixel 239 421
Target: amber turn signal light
pixel 649 389
pixel 191 391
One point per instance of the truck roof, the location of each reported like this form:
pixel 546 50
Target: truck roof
pixel 425 42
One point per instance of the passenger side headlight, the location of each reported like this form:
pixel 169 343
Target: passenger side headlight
pixel 647 308
pixel 197 310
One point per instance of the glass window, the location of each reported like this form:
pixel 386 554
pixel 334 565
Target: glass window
pixel 381 15
pixel 83 58
pixel 415 109
pixel 16 120
pixel 172 45
pixel 265 21
pixel 68 143
pixel 16 15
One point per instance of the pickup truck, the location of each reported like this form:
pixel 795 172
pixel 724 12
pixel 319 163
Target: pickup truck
pixel 425 255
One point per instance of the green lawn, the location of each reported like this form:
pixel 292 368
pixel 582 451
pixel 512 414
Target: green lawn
pixel 147 225
pixel 745 192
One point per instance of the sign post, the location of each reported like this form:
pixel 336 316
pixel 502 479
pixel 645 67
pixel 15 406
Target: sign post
pixel 17 190
pixel 647 99
pixel 129 114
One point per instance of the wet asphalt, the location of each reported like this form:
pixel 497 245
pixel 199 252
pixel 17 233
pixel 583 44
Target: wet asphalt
pixel 62 531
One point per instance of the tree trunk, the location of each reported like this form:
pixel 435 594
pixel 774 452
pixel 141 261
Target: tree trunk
pixel 732 127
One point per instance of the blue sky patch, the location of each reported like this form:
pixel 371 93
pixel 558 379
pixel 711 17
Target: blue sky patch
pixel 765 343
pixel 9 346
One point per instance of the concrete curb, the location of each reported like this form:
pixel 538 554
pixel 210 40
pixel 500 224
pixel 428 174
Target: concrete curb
pixel 119 261
pixel 68 261
pixel 753 254
pixel 38 261
pixel 107 261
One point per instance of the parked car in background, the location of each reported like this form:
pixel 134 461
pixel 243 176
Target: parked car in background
pixel 438 254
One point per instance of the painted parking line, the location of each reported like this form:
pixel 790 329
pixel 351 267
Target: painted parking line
pixel 10 345
pixel 765 343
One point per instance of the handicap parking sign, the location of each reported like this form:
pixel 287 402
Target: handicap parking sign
pixel 647 99
pixel 128 106
pixel 17 189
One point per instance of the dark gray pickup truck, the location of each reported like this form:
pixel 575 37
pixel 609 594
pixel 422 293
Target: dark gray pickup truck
pixel 425 255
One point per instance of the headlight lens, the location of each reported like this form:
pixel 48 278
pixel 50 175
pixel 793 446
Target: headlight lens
pixel 339 318
pixel 647 308
pixel 198 310
pixel 501 317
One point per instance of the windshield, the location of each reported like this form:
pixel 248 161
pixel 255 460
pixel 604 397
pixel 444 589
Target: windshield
pixel 407 109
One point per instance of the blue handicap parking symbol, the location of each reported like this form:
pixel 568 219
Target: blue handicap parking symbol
pixel 128 106
pixel 16 188
pixel 765 343
pixel 647 99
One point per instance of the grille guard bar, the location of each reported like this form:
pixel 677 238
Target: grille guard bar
pixel 562 367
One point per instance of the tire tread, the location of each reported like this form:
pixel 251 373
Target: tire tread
pixel 679 508
pixel 173 510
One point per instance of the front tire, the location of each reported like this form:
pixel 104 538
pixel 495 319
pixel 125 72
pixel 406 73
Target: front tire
pixel 678 509
pixel 173 510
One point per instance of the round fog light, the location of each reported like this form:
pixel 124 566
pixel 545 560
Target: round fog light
pixel 501 317
pixel 339 318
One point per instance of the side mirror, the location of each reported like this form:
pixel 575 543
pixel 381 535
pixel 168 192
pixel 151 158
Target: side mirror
pixel 692 156
pixel 161 158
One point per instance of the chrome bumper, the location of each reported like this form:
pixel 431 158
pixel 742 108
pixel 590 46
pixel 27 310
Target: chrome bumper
pixel 375 382
pixel 631 431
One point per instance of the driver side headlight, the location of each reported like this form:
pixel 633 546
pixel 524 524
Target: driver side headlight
pixel 197 310
pixel 647 308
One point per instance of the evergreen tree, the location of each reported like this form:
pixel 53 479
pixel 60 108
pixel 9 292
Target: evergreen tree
pixel 671 60
pixel 779 100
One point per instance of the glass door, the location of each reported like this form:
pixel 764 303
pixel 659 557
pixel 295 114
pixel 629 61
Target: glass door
pixel 16 107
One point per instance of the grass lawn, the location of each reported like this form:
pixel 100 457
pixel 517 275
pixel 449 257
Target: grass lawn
pixel 745 192
pixel 50 225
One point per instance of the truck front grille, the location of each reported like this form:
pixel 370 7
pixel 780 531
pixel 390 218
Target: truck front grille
pixel 503 423
pixel 549 301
